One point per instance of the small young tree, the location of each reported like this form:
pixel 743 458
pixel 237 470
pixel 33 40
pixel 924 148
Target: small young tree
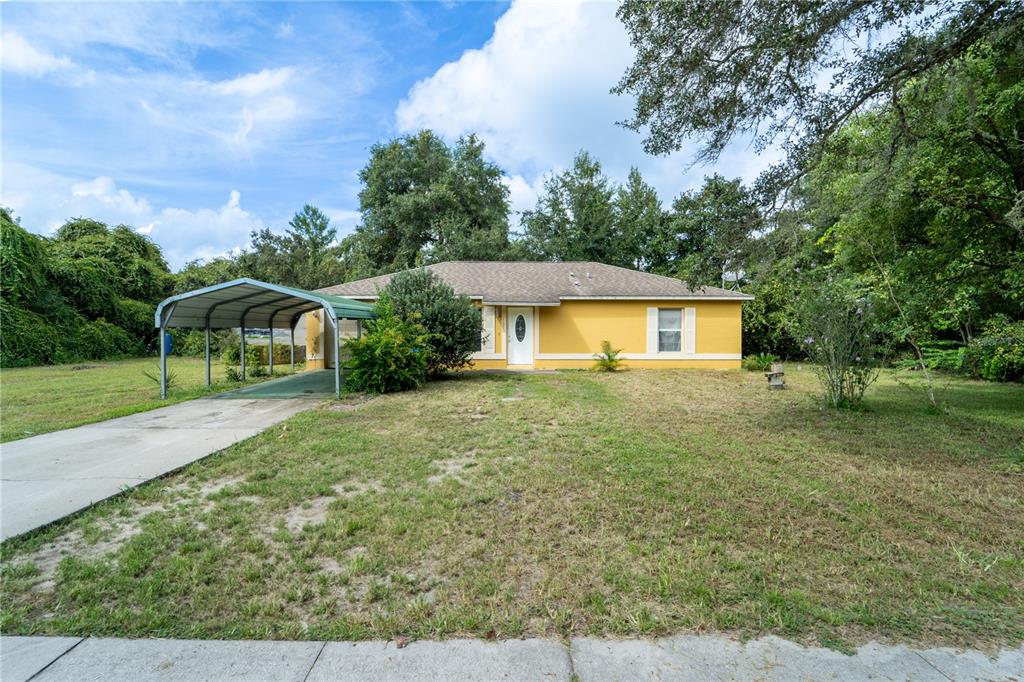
pixel 838 332
pixel 608 359
pixel 452 323
pixel 391 356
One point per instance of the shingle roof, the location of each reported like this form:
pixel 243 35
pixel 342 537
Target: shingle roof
pixel 537 283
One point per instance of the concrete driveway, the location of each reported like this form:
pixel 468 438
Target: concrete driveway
pixel 48 477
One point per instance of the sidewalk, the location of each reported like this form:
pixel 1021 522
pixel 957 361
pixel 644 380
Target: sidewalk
pixel 684 657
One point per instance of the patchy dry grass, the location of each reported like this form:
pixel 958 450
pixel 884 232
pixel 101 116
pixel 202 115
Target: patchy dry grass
pixel 37 400
pixel 635 503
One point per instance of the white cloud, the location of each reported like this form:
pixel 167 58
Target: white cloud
pixel 252 84
pixel 539 91
pixel 104 191
pixel 204 233
pixel 21 57
pixel 285 30
pixel 522 195
pixel 241 114
pixel 44 201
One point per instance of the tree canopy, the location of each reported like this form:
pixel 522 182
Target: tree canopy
pixel 423 201
pixel 716 71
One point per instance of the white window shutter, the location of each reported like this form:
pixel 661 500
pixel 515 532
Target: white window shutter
pixel 488 324
pixel 652 330
pixel 690 331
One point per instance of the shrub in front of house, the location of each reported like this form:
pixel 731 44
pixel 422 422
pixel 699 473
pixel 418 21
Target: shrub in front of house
pixel 392 355
pixel 839 333
pixel 758 362
pixel 452 323
pixel 608 359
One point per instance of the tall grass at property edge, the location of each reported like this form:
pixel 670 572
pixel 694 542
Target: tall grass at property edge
pixel 35 400
pixel 620 504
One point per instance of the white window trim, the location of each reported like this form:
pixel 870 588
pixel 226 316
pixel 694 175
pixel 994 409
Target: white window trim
pixel 493 353
pixel 689 330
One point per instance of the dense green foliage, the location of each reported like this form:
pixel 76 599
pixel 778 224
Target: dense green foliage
pixel 715 72
pixel 998 355
pixel 89 292
pixel 903 177
pixel 392 354
pixel 452 323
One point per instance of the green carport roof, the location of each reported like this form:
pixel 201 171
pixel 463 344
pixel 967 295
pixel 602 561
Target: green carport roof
pixel 257 304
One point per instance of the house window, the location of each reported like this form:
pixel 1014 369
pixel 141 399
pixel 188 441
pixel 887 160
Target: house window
pixel 670 330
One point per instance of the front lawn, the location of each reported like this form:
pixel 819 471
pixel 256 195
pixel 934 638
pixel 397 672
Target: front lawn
pixel 36 400
pixel 636 503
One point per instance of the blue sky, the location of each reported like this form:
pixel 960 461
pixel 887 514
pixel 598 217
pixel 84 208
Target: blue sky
pixel 196 123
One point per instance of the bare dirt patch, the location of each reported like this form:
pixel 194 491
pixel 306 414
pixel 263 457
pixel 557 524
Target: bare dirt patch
pixel 313 512
pixel 350 489
pixel 118 530
pixel 454 468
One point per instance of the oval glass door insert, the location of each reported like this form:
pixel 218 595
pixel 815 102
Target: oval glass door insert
pixel 520 328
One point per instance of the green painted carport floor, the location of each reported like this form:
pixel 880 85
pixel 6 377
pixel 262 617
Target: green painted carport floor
pixel 313 382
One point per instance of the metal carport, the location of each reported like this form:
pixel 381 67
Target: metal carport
pixel 250 303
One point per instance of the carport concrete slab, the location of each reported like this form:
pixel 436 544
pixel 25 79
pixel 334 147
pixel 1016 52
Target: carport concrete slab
pixel 48 477
pixel 23 657
pixel 469 660
pixel 142 660
pixel 319 382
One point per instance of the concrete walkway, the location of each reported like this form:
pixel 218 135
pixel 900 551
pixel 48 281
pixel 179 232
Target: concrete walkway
pixel 48 477
pixel 673 658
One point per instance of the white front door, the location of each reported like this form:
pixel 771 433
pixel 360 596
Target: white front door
pixel 520 336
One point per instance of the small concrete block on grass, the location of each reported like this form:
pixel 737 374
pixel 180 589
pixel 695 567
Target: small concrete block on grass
pixel 23 657
pixel 142 660
pixel 468 660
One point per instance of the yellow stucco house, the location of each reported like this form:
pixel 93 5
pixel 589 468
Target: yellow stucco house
pixel 555 315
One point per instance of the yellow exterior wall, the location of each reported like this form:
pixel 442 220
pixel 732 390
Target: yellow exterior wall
pixel 580 326
pixel 313 340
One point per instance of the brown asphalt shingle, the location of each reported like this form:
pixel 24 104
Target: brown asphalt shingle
pixel 534 283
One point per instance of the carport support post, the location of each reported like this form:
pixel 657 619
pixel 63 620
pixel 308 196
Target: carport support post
pixel 163 362
pixel 207 354
pixel 270 354
pixel 337 354
pixel 293 348
pixel 243 350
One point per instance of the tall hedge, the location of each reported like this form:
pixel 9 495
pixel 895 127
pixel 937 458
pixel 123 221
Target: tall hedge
pixel 88 293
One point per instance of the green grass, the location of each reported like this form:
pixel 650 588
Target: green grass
pixel 36 400
pixel 634 503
